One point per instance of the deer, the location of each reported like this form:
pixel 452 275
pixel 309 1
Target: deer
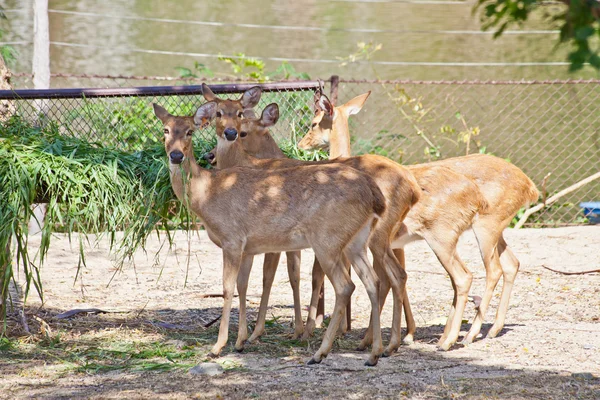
pixel 399 188
pixel 505 189
pixel 248 101
pixel 427 219
pixel 250 211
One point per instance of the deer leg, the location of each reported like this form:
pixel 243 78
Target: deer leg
pixel 411 327
pixel 384 288
pixel 343 287
pixel 318 277
pixel 293 265
pixel 345 314
pixel 461 279
pixel 397 275
pixel 269 270
pixel 510 268
pixel 488 245
pixel 232 259
pixel 242 285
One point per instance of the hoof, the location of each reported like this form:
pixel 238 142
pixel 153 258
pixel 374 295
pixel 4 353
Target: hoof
pixel 444 346
pixel 388 353
pixel 493 333
pixel 372 362
pixel 408 340
pixel 212 355
pixel 467 340
pixel 361 348
pixel 313 361
pixel 239 349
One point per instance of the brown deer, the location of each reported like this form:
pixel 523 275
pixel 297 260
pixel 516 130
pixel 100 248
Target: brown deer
pixel 505 189
pixel 248 101
pixel 250 211
pixel 442 235
pixel 397 184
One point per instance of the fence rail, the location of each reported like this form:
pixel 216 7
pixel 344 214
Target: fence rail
pixel 550 129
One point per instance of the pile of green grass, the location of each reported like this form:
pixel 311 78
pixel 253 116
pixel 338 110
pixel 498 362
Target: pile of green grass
pixel 91 189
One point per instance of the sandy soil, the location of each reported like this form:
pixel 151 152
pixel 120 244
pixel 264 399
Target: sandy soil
pixel 550 341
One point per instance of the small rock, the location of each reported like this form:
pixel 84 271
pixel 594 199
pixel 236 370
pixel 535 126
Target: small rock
pixel 588 346
pixel 582 375
pixel 209 369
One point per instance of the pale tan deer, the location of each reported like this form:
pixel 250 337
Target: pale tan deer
pixel 429 219
pixel 505 189
pixel 397 184
pixel 249 211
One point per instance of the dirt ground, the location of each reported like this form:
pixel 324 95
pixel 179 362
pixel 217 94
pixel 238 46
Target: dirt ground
pixel 549 348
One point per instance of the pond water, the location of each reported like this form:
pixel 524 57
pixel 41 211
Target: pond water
pixel 152 37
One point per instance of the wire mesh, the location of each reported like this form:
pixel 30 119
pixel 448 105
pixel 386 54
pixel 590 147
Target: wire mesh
pixel 549 129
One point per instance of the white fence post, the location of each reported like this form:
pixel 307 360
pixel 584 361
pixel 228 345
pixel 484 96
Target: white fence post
pixel 41 80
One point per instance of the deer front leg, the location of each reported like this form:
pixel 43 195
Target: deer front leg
pixel 242 285
pixel 269 270
pixel 293 265
pixel 231 267
pixel 318 277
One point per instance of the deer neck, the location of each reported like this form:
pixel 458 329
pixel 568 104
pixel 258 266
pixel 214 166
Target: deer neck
pixel 232 154
pixel 339 138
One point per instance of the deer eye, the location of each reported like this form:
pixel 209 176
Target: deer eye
pixel 314 125
pixel 218 114
pixel 166 131
pixel 190 132
pixel 240 115
pixel 243 134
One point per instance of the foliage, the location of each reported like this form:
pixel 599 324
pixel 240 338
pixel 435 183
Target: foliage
pixel 246 68
pixel 578 21
pixel 413 110
pixel 89 188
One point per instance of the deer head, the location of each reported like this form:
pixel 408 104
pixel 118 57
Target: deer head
pixel 254 135
pixel 228 114
pixel 330 123
pixel 178 132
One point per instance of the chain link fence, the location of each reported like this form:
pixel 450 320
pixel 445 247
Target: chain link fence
pixel 549 129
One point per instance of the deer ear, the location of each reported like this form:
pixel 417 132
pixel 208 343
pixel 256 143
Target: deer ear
pixel 208 94
pixel 251 97
pixel 270 115
pixel 324 104
pixel 356 104
pixel 160 112
pixel 205 113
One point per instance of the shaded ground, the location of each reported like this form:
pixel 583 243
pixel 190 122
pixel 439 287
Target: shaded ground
pixel 550 347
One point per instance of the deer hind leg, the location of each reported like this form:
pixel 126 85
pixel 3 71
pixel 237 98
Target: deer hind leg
pixel 333 267
pixel 232 258
pixel 269 270
pixel 461 279
pixel 293 266
pixel 411 327
pixel 487 238
pixel 356 251
pixel 318 277
pixel 510 268
pixel 384 288
pixel 242 285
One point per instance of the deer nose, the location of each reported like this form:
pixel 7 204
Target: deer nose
pixel 176 157
pixel 209 157
pixel 230 134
